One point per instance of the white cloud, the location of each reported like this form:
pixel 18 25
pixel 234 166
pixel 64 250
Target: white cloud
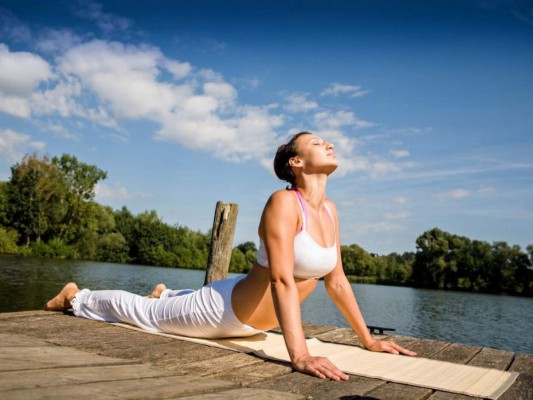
pixel 178 69
pixel 298 103
pixel 14 145
pixel 384 167
pixel 223 93
pixel 486 189
pixel 400 153
pixel 248 83
pixel 334 120
pixel 106 82
pixel 452 195
pixel 107 22
pixel 397 215
pixel 11 27
pixel 123 77
pixel 378 227
pixel 106 192
pixel 336 88
pixel 15 106
pixel 400 199
pixel 53 41
pixel 21 72
pixel 57 129
pixel 195 114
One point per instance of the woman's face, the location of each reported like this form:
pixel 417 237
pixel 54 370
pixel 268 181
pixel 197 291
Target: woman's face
pixel 315 154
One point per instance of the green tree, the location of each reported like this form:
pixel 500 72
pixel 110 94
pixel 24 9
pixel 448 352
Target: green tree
pixel 25 205
pixel 8 241
pixel 47 198
pixel 238 263
pixel 356 261
pixel 249 251
pixel 81 180
pixel 430 261
pixel 3 204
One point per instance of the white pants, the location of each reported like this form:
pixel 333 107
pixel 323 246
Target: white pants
pixel 203 313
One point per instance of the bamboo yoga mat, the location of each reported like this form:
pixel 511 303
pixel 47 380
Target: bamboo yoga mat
pixel 417 371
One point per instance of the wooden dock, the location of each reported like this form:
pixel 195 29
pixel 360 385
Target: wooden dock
pixel 50 355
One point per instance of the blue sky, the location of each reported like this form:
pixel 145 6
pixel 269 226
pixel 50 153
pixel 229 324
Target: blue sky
pixel 429 105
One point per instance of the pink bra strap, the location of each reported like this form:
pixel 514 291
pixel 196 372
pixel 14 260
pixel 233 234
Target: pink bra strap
pixel 303 207
pixel 304 210
pixel 330 214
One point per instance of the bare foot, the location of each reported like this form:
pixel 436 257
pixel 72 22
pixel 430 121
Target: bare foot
pixel 62 300
pixel 156 292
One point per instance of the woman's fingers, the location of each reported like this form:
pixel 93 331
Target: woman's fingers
pixel 332 372
pixel 392 347
pixel 322 368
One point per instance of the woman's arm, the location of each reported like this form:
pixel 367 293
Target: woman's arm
pixel 278 227
pixel 340 291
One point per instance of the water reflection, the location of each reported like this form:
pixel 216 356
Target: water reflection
pixel 502 322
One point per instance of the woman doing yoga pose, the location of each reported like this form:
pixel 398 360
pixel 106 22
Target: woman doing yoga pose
pixel 299 244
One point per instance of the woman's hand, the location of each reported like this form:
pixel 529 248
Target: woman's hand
pixel 388 347
pixel 320 367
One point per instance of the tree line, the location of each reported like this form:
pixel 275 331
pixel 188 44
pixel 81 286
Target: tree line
pixel 47 208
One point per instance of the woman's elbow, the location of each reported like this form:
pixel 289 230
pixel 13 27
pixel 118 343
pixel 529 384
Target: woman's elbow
pixel 336 284
pixel 280 283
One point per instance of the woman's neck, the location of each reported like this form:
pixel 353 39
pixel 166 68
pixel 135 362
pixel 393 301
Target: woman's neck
pixel 313 190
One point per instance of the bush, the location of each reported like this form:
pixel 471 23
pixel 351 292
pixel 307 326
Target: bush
pixel 8 241
pixel 113 248
pixel 55 248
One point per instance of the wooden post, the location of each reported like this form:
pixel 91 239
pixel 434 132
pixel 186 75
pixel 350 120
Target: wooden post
pixel 221 242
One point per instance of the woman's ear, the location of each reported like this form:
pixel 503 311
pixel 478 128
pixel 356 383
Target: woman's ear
pixel 295 162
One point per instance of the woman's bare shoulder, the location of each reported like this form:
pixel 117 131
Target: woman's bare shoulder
pixel 281 202
pixel 281 196
pixel 331 205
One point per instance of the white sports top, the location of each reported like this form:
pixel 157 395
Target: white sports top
pixel 311 260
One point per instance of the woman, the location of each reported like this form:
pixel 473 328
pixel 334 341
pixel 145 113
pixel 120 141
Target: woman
pixel 299 244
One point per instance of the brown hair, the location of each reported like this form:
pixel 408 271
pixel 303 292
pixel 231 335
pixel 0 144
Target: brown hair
pixel 284 153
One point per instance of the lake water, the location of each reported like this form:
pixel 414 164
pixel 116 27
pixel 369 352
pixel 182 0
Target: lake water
pixel 502 322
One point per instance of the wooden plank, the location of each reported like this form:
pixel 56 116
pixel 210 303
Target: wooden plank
pixel 246 394
pixel 522 389
pixel 396 391
pixel 404 341
pixel 354 388
pixel 457 353
pixel 11 340
pixel 171 355
pixel 22 314
pixel 492 358
pixel 522 363
pixel 32 358
pixel 149 388
pixel 451 396
pixel 311 330
pixel 225 363
pixel 76 375
pixel 293 382
pixel 427 347
pixel 340 335
pixel 246 376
